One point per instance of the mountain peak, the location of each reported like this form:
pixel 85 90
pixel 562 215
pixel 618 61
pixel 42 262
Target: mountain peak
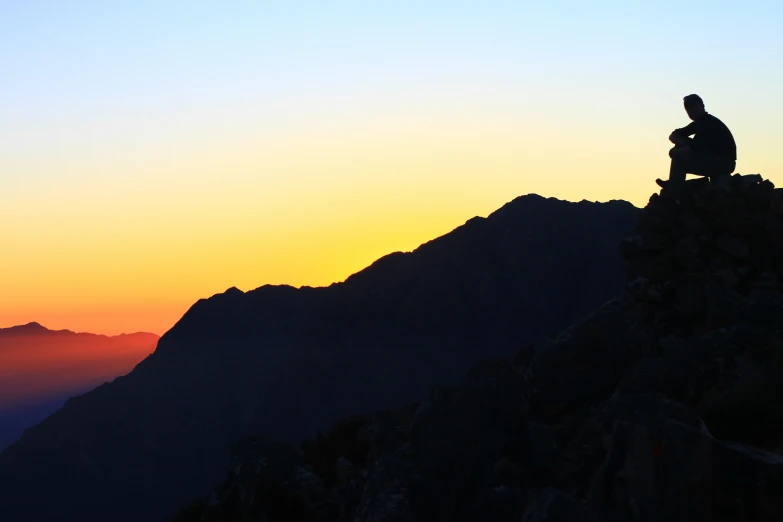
pixel 35 326
pixel 29 328
pixel 287 362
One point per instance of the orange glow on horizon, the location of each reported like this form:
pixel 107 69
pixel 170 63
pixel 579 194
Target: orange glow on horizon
pixel 117 244
pixel 41 366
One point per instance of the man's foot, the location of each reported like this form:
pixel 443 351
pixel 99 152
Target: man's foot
pixel 661 183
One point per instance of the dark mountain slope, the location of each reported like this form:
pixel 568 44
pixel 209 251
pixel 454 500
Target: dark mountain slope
pixel 662 405
pixel 25 329
pixel 285 362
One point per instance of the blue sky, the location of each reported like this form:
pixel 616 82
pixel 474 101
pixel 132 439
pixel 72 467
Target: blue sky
pixel 68 56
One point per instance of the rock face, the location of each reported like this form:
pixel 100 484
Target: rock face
pixel 691 259
pixel 645 410
pixel 285 363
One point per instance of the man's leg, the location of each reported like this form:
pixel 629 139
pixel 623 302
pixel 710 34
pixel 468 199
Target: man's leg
pixel 715 166
pixel 686 161
pixel 679 168
pixel 719 171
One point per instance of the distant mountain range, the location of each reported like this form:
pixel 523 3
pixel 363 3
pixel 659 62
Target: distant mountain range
pixel 26 329
pixel 41 368
pixel 286 362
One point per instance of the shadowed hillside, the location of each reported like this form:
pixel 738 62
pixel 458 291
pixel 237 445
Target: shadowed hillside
pixel 286 362
pixel 662 405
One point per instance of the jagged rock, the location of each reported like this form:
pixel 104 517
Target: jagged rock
pixel 656 470
pixel 686 255
pixel 732 245
pixel 726 276
pixel 343 469
pixel 644 289
pixel 747 180
pixel 555 506
pixel 727 234
pixel 638 244
pixel 761 309
pixel 387 494
pixel 543 447
pixel 727 376
pixel 268 481
pixel 385 431
pixel 657 269
pixel 776 202
pixel 524 357
pixel 587 453
pixel 689 299
pixel 586 362
pixel 731 376
pixel 462 437
pixel 691 222
pixel 775 231
pixel 675 471
pixel 654 222
pixel 748 483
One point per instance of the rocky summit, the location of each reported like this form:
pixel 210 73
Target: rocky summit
pixel 690 260
pixel 663 405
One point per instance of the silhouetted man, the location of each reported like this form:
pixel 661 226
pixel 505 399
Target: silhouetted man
pixel 711 152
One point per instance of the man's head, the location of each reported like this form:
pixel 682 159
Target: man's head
pixel 693 106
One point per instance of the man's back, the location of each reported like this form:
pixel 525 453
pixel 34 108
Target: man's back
pixel 711 136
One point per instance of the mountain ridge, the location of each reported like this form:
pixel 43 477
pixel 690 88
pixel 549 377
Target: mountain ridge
pixel 36 328
pixel 40 368
pixel 288 361
pixel 662 404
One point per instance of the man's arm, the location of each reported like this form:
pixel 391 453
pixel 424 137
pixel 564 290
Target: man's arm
pixel 679 139
pixel 680 136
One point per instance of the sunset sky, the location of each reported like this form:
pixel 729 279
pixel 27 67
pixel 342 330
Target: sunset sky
pixel 153 153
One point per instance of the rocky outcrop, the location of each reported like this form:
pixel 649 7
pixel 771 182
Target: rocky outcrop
pixel 646 410
pixel 691 259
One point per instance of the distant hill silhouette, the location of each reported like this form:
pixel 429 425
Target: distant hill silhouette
pixel 41 368
pixel 26 329
pixel 286 362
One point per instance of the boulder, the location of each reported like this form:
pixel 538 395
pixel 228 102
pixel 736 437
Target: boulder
pixel 555 506
pixel 586 361
pixel 726 234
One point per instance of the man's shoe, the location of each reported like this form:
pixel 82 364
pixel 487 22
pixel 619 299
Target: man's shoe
pixel 661 183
